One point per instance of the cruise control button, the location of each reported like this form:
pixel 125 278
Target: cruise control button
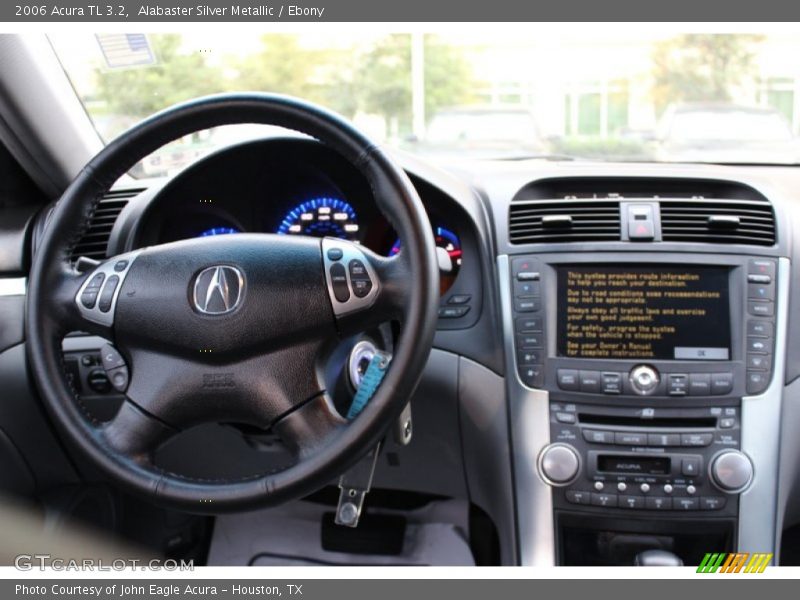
pixel 712 502
pixel 335 254
pixel 361 287
pixel 635 502
pixel 578 497
pixel 721 383
pixel 604 499
pixel 107 295
pixel 597 436
pixel 658 503
pixel 528 324
pixel 696 439
pixel 686 503
pixel 568 379
pixel 339 282
pixel 357 269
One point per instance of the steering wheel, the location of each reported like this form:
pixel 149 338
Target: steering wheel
pixel 231 328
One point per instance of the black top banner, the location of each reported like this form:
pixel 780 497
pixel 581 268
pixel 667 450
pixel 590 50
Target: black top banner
pixel 128 11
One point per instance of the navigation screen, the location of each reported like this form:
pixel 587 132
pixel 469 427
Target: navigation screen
pixel 655 312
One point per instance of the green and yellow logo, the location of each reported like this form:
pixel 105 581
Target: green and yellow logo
pixel 734 562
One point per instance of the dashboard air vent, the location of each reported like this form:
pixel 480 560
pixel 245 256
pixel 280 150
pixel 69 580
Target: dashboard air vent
pixel 94 242
pixel 543 221
pixel 718 222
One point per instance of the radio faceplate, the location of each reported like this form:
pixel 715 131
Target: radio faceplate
pixel 642 458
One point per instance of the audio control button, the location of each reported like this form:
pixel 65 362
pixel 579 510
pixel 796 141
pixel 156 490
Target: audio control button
pixel 596 436
pixel 696 439
pixel 645 487
pixel 712 502
pixel 686 503
pixel 578 497
pixel 658 503
pixel 630 438
pixel 604 499
pixel 635 502
pixel 690 466
pixel 559 464
pixel 599 486
pixel 663 439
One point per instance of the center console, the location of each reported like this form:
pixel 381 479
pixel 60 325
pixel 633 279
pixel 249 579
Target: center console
pixel 643 366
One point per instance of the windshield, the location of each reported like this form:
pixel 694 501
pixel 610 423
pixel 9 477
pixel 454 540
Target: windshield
pixel 634 97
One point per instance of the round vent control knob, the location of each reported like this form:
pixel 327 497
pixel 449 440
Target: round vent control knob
pixel 559 464
pixel 644 379
pixel 731 471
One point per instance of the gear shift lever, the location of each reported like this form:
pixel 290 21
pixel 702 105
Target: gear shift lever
pixel 657 558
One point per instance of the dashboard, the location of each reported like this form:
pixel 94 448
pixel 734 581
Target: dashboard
pixel 288 187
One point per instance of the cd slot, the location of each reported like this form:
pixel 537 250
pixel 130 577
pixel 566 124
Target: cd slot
pixel 655 422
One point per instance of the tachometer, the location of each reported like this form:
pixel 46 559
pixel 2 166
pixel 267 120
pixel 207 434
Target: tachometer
pixel 321 217
pixel 218 231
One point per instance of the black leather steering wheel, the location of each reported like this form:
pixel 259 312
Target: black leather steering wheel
pixel 232 328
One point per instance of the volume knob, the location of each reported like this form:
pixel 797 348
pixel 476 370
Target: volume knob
pixel 731 471
pixel 559 464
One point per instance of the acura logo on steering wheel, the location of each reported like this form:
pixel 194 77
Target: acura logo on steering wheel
pixel 218 290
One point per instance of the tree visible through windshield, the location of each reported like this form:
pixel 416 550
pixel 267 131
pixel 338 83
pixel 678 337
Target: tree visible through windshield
pixel 453 96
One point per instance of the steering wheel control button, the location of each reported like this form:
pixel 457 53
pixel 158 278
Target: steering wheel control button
pixel 335 253
pixel 98 381
pixel 361 287
pixel 111 358
pixel 107 295
pixel 119 378
pixel 339 282
pixel 559 464
pixel 120 265
pixel 89 298
pixel 96 282
pixel 453 312
pixel 731 471
pixel 644 379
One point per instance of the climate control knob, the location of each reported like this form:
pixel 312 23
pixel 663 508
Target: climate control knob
pixel 644 379
pixel 731 471
pixel 559 464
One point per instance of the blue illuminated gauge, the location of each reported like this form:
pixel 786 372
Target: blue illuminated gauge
pixel 448 252
pixel 218 231
pixel 321 217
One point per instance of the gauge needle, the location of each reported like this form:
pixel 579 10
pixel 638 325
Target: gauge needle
pixel 443 256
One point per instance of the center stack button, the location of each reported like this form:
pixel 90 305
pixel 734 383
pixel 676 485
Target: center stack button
pixel 644 379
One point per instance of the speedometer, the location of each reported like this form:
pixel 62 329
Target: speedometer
pixel 321 217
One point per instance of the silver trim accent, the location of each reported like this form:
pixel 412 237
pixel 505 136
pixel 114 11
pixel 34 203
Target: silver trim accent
pixel 95 314
pixel 364 349
pixel 761 428
pixel 220 281
pixel 13 286
pixel 529 416
pixel 350 251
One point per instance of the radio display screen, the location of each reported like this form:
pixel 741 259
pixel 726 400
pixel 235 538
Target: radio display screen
pixel 663 312
pixel 637 465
